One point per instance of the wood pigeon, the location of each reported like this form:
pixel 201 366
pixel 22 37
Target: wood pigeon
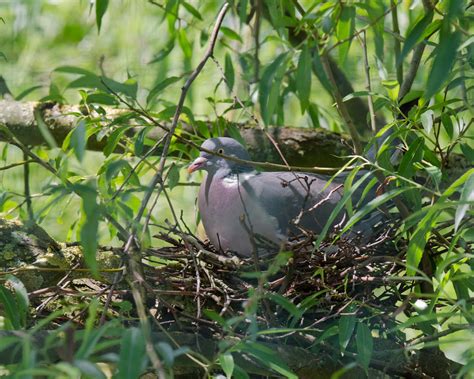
pixel 249 212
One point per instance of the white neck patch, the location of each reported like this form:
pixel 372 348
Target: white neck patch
pixel 234 179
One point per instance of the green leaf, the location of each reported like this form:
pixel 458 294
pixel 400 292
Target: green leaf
pixel 161 86
pixel 26 92
pixel 78 140
pixel 227 363
pixel 267 83
pixel 415 35
pixel 303 77
pixel 468 152
pixel 173 176
pixel 345 29
pixel 229 71
pixel 139 145
pixel 164 52
pixel 412 156
pixel 184 43
pixel 89 224
pixel 191 10
pixel 229 33
pixel 133 358
pixel 21 298
pixel 100 8
pixel 44 129
pixel 101 98
pixel 346 328
pixel 73 70
pixel 267 357
pixel 114 139
pixel 319 71
pixel 9 308
pixel 421 234
pixel 467 200
pixel 365 345
pixel 392 87
pixel 444 59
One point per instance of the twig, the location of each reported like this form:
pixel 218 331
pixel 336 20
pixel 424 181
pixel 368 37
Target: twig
pixel 131 248
pixel 16 164
pixel 373 123
pixel 397 45
pixel 416 59
pixel 26 179
pixel 341 106
pixel 362 30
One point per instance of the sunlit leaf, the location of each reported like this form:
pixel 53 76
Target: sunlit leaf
pixel 444 59
pixel 345 29
pixel 415 35
pixel 184 43
pixel 266 83
pixel 303 77
pixel 78 140
pixel 227 363
pixel 467 200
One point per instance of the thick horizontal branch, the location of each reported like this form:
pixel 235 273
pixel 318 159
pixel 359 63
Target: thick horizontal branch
pixel 300 146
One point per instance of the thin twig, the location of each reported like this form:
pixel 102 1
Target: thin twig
pixel 397 45
pixel 373 124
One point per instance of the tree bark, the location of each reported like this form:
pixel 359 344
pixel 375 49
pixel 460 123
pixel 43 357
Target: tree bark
pixel 300 146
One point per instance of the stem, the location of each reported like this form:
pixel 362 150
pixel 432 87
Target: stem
pixel 397 45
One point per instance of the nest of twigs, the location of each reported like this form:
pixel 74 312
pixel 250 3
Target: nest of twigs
pixel 191 278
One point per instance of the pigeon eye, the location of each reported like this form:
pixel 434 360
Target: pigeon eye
pixel 220 151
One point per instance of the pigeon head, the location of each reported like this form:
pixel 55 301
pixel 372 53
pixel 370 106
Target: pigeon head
pixel 215 164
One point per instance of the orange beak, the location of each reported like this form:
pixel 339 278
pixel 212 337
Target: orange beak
pixel 198 163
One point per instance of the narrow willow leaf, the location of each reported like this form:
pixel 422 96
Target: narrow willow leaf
pixel 346 328
pixel 164 52
pixel 319 71
pixel 89 224
pixel 78 140
pixel 191 10
pixel 418 241
pixel 156 90
pixel 100 9
pixel 229 71
pixel 21 297
pixel 266 84
pixel 412 156
pixel 184 43
pixel 345 29
pixel 44 129
pixel 227 363
pixel 415 35
pixel 133 357
pixel 10 310
pixel 444 59
pixel 467 199
pixel 303 77
pixel 267 356
pixel 365 344
pixel 229 33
